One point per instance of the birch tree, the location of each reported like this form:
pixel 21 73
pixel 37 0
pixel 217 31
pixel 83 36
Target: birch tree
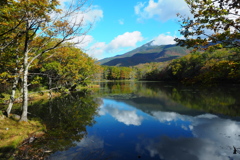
pixel 43 26
pixel 10 39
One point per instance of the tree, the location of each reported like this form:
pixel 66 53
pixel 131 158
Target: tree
pixel 39 27
pixel 67 66
pixel 215 24
pixel 114 73
pixel 10 36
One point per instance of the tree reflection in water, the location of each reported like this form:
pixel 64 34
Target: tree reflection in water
pixel 212 99
pixel 139 120
pixel 66 118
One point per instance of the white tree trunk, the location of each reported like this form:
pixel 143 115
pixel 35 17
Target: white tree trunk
pixel 11 100
pixel 25 77
pixel 12 97
pixel 25 89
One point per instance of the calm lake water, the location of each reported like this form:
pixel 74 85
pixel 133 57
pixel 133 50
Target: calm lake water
pixel 144 120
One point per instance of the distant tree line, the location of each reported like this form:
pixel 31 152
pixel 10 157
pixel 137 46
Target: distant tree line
pixel 219 66
pixel 118 73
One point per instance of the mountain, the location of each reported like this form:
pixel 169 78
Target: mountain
pixel 145 54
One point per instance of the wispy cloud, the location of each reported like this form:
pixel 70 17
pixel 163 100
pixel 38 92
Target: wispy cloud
pixel 121 21
pixel 94 14
pixel 97 50
pixel 82 41
pixel 78 12
pixel 161 10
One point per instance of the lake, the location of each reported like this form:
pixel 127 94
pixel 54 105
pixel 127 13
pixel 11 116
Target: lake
pixel 143 120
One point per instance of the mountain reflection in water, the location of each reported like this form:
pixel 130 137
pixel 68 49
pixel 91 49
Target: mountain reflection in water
pixel 148 122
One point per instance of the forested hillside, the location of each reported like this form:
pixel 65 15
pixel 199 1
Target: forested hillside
pixel 220 66
pixel 146 54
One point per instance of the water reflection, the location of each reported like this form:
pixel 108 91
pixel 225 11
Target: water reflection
pixel 213 138
pixel 215 99
pixel 121 112
pixel 144 121
pixel 66 119
pixel 159 135
pixel 90 147
pixel 181 122
pixel 209 137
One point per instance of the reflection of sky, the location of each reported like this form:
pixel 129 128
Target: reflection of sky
pixel 213 139
pixel 124 132
pixel 88 147
pixel 121 112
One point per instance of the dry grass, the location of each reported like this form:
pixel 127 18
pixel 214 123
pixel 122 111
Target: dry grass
pixel 92 86
pixel 43 95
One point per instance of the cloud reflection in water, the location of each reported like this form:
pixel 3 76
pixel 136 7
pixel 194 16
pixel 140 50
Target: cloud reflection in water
pixel 156 135
pixel 213 139
pixel 120 113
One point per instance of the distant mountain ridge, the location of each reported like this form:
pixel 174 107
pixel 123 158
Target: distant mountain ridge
pixel 145 54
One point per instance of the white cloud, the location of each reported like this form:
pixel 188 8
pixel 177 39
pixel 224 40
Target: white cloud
pixel 97 50
pixel 125 116
pixel 88 16
pixel 82 41
pixel 213 138
pixel 168 116
pixel 78 12
pixel 98 46
pixel 93 15
pixel 91 142
pixel 128 39
pixel 138 7
pixel 161 9
pixel 163 40
pixel 121 112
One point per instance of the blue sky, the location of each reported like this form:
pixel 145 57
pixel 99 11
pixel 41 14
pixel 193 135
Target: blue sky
pixel 123 25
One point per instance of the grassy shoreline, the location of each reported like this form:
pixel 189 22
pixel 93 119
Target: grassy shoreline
pixel 14 133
